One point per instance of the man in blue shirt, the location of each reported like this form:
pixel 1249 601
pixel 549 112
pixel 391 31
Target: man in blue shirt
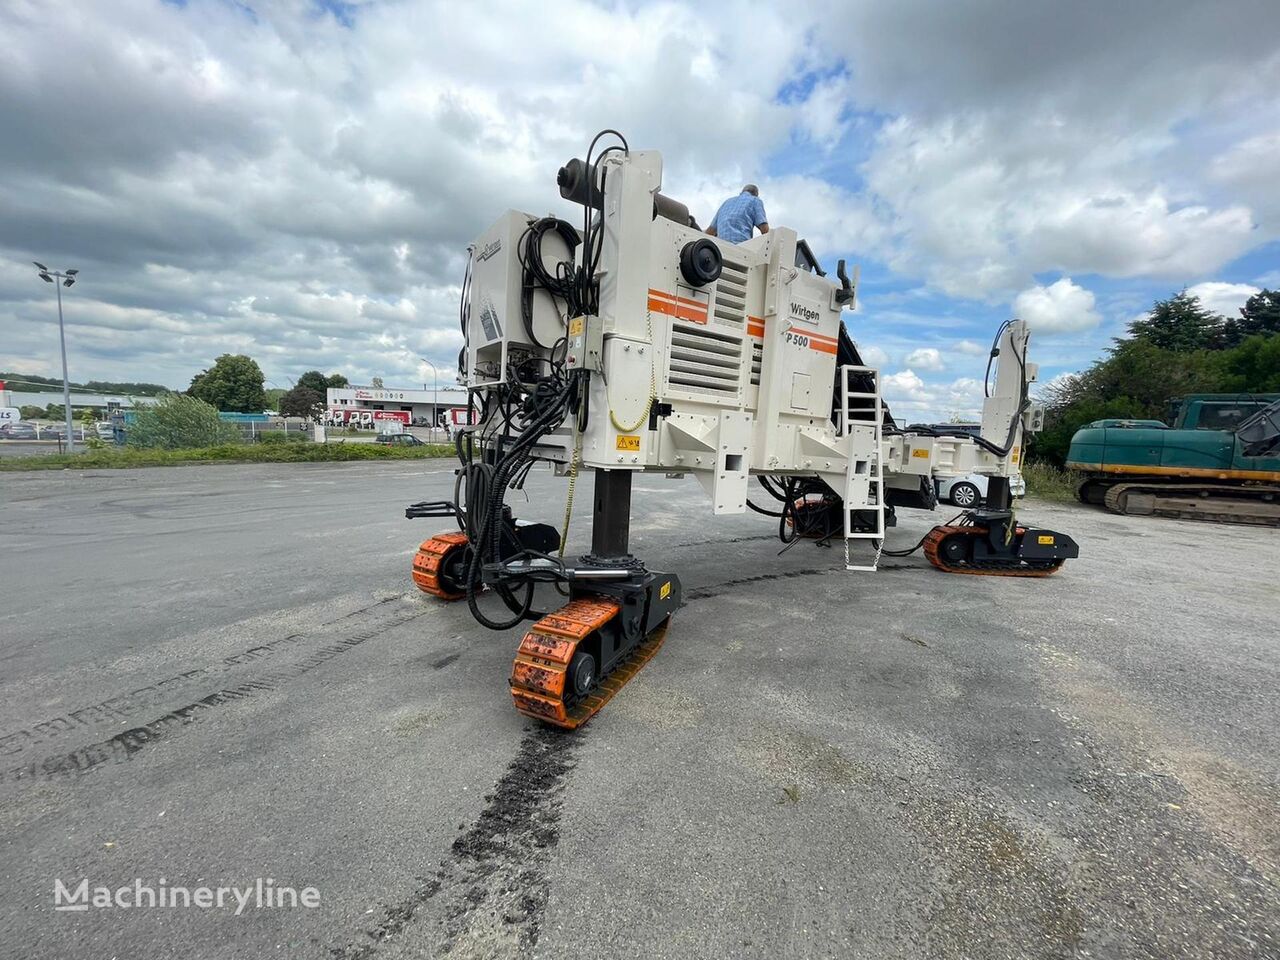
pixel 738 216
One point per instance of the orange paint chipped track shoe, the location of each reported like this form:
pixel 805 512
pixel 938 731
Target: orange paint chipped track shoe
pixel 555 674
pixel 437 566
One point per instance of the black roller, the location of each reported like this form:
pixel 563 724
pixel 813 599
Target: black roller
pixel 700 262
pixel 573 180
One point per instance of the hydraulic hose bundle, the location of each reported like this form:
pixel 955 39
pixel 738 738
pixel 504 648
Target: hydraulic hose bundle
pixel 538 393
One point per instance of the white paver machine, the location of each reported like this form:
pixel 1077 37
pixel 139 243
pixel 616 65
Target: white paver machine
pixel 632 342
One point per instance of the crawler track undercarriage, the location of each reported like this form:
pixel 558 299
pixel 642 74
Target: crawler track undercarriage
pixel 974 549
pixel 1248 503
pixel 572 660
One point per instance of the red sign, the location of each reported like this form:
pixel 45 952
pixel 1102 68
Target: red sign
pixel 401 415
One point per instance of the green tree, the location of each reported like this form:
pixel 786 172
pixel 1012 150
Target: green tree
pixel 313 380
pixel 1179 323
pixel 29 411
pixel 1261 314
pixel 177 420
pixel 1252 367
pixel 233 383
pixel 317 381
pixel 302 402
pixel 376 383
pixel 1143 375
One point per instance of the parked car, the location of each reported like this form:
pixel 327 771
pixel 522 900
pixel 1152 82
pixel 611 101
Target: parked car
pixel 398 439
pixel 104 430
pixel 970 490
pixel 17 431
pixel 53 433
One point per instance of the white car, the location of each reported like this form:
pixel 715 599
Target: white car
pixel 970 490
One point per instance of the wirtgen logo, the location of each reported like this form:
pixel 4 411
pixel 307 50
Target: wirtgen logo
pixel 259 895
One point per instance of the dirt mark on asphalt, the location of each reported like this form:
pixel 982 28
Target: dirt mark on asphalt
pixel 125 745
pixel 120 707
pixel 488 895
pixel 1228 799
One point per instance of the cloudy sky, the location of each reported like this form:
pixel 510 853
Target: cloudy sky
pixel 297 180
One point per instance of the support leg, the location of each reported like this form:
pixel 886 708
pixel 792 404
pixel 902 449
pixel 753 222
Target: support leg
pixel 611 519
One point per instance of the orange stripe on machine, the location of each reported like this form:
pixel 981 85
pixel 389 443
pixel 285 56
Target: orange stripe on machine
pixel 678 307
pixel 816 341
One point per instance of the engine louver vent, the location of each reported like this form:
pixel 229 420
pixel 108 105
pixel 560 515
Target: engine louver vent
pixel 731 295
pixel 704 361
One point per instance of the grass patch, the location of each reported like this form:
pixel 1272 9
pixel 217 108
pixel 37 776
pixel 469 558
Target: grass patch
pixel 1048 482
pixel 122 457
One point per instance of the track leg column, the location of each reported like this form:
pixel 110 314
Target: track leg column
pixel 998 497
pixel 611 517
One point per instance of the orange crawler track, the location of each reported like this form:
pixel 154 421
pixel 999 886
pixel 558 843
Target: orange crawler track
pixel 429 560
pixel 539 675
pixel 938 534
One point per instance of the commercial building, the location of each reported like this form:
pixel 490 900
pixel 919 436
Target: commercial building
pixel 411 407
pixel 100 402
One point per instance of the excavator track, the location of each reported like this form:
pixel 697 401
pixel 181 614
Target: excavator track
pixel 936 548
pixel 552 678
pixel 1221 503
pixel 431 565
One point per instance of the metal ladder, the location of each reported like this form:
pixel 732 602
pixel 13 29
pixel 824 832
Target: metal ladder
pixel 864 476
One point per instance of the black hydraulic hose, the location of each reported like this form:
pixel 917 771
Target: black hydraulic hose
pixel 919 543
pixel 906 553
pixel 762 510
pixel 768 486
pixel 535 273
pixel 489 539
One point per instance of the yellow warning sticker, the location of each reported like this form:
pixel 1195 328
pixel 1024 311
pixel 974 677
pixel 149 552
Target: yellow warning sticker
pixel 922 452
pixel 626 442
pixel 665 591
pixel 576 326
pixel 1014 457
pixel 1044 541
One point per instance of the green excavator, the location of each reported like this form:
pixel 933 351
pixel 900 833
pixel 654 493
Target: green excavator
pixel 1219 461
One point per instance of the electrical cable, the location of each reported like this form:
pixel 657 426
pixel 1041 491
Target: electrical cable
pixel 534 396
pixel 920 543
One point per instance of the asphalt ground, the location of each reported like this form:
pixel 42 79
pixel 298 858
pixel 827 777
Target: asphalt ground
pixel 218 674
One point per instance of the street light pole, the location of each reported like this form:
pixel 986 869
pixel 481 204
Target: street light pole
pixel 435 400
pixel 67 278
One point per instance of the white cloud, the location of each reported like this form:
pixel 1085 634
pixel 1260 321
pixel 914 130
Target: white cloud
pixel 911 398
pixel 1040 143
pixel 904 384
pixel 978 207
pixel 873 356
pixel 300 188
pixel 925 358
pixel 1061 307
pixel 281 184
pixel 1224 299
pixel 1249 169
